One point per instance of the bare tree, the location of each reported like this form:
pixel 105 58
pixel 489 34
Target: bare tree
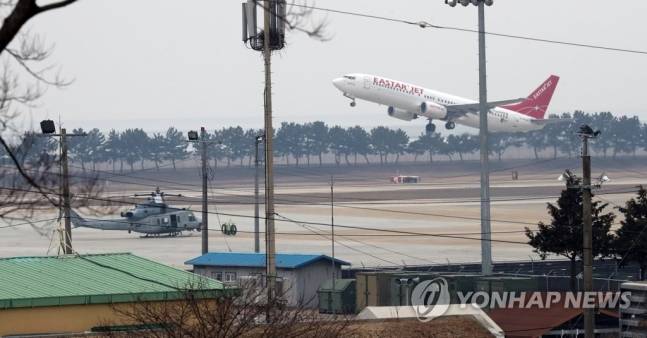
pixel 23 57
pixel 299 17
pixel 31 185
pixel 21 11
pixel 241 312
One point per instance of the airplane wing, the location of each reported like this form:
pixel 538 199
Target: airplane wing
pixel 459 110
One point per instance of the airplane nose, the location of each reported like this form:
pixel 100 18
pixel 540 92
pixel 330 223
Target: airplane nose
pixel 338 83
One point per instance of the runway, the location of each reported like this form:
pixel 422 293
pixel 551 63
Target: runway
pixel 376 223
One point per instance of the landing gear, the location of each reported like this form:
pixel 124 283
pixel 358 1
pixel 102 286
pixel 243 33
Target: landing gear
pixel 352 100
pixel 430 128
pixel 450 125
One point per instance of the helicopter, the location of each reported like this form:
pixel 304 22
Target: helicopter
pixel 152 218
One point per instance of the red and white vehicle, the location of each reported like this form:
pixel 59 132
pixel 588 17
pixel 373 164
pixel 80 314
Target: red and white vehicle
pixel 407 102
pixel 402 179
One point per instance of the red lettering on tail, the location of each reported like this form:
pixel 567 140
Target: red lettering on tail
pixel 536 104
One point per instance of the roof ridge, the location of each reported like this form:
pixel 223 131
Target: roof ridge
pixel 68 256
pixel 263 253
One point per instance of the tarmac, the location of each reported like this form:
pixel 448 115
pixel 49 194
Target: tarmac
pixel 447 210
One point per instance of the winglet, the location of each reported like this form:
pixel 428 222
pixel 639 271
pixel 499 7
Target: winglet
pixel 536 104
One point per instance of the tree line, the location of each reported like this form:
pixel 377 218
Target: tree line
pixel 562 236
pixel 308 142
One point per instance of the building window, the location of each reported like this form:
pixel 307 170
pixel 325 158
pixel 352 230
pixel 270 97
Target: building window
pixel 216 275
pixel 230 277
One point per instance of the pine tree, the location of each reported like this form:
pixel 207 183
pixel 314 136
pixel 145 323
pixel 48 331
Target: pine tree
pixel 563 235
pixel 631 238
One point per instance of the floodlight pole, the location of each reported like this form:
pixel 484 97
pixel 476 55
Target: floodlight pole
pixel 332 227
pixel 257 244
pixel 332 241
pixel 205 204
pixel 484 109
pixel 269 161
pixel 486 231
pixel 587 231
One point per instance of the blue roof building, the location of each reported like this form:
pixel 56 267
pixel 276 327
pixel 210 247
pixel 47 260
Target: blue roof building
pixel 299 275
pixel 257 260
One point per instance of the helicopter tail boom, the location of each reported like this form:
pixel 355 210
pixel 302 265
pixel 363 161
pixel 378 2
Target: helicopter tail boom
pixel 77 220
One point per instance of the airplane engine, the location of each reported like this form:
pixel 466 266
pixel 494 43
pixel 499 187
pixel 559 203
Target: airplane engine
pixel 402 114
pixel 433 110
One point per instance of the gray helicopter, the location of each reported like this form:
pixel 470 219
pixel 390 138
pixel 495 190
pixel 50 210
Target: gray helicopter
pixel 152 218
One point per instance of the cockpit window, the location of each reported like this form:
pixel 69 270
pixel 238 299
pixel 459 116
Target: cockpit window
pixel 349 77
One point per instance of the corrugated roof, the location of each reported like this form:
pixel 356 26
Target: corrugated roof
pixel 251 259
pixel 93 279
pixel 535 321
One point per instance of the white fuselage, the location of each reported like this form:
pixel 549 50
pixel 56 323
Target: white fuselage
pixel 408 97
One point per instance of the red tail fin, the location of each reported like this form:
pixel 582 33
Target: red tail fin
pixel 536 104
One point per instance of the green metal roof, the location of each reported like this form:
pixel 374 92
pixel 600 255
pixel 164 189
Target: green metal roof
pixel 95 279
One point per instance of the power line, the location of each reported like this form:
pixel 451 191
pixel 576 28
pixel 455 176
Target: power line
pixel 27 223
pixel 337 241
pixel 324 224
pixel 352 207
pixel 424 24
pixel 412 212
pixel 380 247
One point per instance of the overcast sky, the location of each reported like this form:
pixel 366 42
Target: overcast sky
pixel 157 63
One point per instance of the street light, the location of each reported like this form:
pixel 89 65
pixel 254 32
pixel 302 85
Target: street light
pixel 201 138
pixel 47 127
pixel 193 135
pixel 466 3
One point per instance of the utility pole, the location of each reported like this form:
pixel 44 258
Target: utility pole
pixel 67 235
pixel 49 129
pixel 257 244
pixel 203 140
pixel 271 38
pixel 586 133
pixel 484 109
pixel 205 204
pixel 587 231
pixel 269 159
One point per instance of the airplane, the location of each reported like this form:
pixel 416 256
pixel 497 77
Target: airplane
pixel 152 218
pixel 408 102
